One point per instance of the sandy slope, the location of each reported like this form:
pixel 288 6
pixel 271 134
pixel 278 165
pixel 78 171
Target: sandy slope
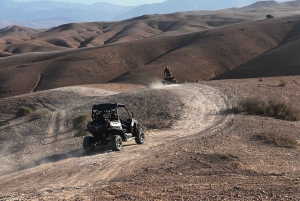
pixel 200 104
pixel 93 34
pixel 280 61
pixel 200 55
pixel 200 152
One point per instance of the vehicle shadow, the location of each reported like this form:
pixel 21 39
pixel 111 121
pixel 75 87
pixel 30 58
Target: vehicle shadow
pixel 103 149
pixel 7 121
pixel 227 111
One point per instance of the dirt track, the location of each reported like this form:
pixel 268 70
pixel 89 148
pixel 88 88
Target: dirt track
pixel 203 108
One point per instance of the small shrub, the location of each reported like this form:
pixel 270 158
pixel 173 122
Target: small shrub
pixel 80 123
pixel 282 83
pixel 272 108
pixel 23 111
pixel 38 114
pixel 282 110
pixel 280 140
pixel 251 106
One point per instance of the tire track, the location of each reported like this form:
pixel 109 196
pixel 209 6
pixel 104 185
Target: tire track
pixel 52 128
pixel 56 127
pixel 202 116
pixel 46 105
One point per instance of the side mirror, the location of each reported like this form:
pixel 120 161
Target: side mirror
pixel 132 115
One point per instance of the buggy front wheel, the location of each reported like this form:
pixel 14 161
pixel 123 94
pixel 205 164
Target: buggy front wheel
pixel 89 143
pixel 140 137
pixel 116 142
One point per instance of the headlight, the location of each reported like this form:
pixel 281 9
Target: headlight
pixel 115 127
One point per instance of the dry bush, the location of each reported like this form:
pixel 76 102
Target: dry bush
pixel 38 114
pixel 282 110
pixel 271 108
pixel 282 83
pixel 280 140
pixel 80 124
pixel 23 111
pixel 252 105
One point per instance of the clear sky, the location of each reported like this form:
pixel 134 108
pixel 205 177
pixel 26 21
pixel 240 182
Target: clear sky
pixel 124 2
pixel 132 2
pixel 140 2
pixel 116 2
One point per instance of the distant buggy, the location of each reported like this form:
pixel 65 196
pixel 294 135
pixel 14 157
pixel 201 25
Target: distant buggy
pixel 112 124
pixel 169 80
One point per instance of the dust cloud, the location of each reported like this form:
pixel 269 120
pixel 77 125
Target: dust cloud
pixel 160 85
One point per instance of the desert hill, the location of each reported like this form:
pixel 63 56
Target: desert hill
pixel 93 34
pixel 197 55
pixel 265 4
pixel 293 3
pixel 280 61
pixel 47 14
pixel 14 29
pixel 273 5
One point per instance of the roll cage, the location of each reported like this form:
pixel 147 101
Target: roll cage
pixel 109 110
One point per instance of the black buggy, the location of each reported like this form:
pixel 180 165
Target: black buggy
pixel 112 124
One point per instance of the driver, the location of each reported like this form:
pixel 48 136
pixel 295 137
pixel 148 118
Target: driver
pixel 167 72
pixel 103 119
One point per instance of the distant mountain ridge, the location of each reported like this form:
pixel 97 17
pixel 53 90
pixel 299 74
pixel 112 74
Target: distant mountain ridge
pixel 267 4
pixel 37 24
pixel 46 14
pixel 273 4
pixel 30 13
pixel 171 6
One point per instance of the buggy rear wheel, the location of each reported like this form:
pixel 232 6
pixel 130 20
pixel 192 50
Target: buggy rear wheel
pixel 174 81
pixel 140 137
pixel 116 142
pixel 89 143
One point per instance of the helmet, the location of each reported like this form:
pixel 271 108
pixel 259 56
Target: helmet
pixel 167 67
